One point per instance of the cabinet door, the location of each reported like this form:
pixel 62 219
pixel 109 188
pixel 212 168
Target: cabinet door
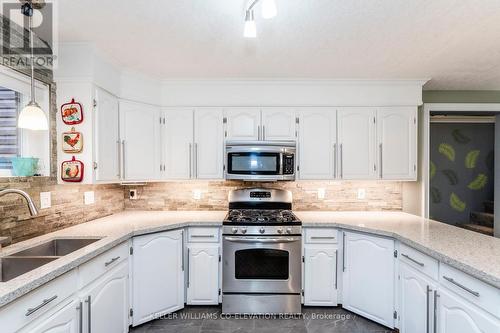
pixel 64 320
pixel 203 274
pixel 209 143
pixel 456 314
pixel 357 143
pixel 243 124
pixel 397 142
pixel 416 303
pixel 317 143
pixel 140 132
pixel 178 144
pixel 107 138
pixel 320 275
pixel 158 275
pixel 368 278
pixel 278 124
pixel 107 302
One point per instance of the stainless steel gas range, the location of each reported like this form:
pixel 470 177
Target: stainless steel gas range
pixel 261 253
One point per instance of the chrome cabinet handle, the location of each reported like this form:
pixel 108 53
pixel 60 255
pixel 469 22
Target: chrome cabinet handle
pixel 336 267
pixel 106 264
pixel 182 251
pixel 436 295
pixel 321 237
pixel 258 132
pixel 335 160
pixel 123 159
pixel 343 251
pixel 188 267
pixel 428 309
pixel 196 160
pixel 263 132
pixel 421 264
pixel 341 161
pixel 79 308
pixel 89 317
pixel 381 162
pixel 190 160
pixel 262 240
pixel 119 175
pixel 202 236
pixel 470 291
pixel 30 311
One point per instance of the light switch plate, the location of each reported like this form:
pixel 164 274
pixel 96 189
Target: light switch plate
pixel 361 193
pixel 45 200
pixel 321 193
pixel 197 194
pixel 89 197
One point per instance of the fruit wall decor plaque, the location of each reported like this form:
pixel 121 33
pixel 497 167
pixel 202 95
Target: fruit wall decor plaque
pixel 72 171
pixel 72 112
pixel 72 141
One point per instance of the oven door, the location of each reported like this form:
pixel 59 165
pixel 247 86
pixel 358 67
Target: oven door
pixel 261 264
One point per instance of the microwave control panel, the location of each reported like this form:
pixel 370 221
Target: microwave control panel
pixel 288 165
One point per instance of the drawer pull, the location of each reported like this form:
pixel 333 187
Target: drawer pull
pixel 111 261
pixel 322 237
pixel 202 236
pixel 475 293
pixel 421 264
pixel 38 307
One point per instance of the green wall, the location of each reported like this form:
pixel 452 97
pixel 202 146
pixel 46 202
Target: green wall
pixel 461 96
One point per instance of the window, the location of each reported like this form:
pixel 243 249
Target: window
pixel 9 135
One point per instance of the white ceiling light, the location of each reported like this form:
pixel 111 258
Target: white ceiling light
pixel 269 9
pixel 32 116
pixel 250 30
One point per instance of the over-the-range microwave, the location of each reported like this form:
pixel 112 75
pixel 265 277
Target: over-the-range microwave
pixel 260 160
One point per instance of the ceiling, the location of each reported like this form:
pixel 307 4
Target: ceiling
pixel 456 43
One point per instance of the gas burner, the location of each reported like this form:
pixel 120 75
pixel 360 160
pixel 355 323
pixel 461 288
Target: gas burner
pixel 261 216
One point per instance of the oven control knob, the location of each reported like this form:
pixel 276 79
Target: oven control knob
pixel 234 230
pixel 288 230
pixel 262 230
pixel 280 231
pixel 243 230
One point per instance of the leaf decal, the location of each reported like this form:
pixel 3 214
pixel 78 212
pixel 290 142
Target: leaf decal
pixel 456 203
pixel 432 169
pixel 471 159
pixel 479 182
pixel 435 195
pixel 460 137
pixel 490 161
pixel 451 175
pixel 447 150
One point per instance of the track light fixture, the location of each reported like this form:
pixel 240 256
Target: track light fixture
pixel 269 10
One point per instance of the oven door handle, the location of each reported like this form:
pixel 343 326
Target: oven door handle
pixel 262 240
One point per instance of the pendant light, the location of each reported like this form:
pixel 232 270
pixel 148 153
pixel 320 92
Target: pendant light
pixel 250 30
pixel 269 11
pixel 32 116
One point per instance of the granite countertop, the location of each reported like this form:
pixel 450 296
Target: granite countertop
pixel 470 252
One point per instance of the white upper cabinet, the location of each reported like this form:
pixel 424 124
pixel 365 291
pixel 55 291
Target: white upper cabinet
pixel 203 274
pixel 368 277
pixel 397 142
pixel 278 124
pixel 320 275
pixel 178 147
pixel 208 143
pixel 107 137
pixel 158 275
pixel 140 133
pixel 243 123
pixel 357 140
pixel 317 143
pixel 455 314
pixel 416 300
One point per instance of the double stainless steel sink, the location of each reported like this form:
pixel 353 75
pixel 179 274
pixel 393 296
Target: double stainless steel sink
pixel 27 260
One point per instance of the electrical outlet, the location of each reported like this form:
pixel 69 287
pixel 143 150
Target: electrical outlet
pixel 321 193
pixel 196 194
pixel 45 200
pixel 132 194
pixel 361 193
pixel 89 197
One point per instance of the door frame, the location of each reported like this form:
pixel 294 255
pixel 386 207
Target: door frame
pixel 425 160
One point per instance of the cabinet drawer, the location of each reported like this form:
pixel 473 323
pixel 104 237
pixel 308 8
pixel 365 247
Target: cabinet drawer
pixel 482 294
pixel 93 269
pixel 37 302
pixel 320 236
pixel 203 235
pixel 421 262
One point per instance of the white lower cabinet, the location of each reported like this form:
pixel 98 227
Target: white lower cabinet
pixel 157 275
pixel 320 275
pixel 416 301
pixel 105 302
pixel 203 274
pixel 457 315
pixel 368 277
pixel 64 320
